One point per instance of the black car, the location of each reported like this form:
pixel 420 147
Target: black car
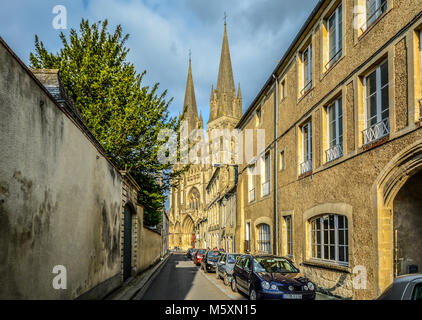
pixel 189 253
pixel 407 287
pixel 209 261
pixel 270 277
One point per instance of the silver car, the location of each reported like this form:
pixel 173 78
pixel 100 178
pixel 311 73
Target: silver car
pixel 225 267
pixel 407 287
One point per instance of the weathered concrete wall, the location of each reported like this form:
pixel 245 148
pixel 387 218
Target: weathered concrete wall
pixel 60 198
pixel 150 248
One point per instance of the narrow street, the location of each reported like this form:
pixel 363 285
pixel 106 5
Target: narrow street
pixel 180 279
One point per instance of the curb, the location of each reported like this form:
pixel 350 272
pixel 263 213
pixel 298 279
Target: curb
pixel 138 289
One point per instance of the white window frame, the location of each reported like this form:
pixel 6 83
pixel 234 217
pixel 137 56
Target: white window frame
pixel 266 174
pixel 336 243
pixel 338 37
pixel 335 149
pixel 307 81
pixel 369 20
pixel 289 234
pixel 382 126
pixel 282 160
pixel 264 238
pixel 251 183
pixel 306 164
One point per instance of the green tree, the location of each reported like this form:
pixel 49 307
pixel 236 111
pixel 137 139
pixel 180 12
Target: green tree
pixel 124 116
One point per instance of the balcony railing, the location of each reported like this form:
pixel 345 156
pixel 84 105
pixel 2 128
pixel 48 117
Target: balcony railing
pixel 334 152
pixel 266 188
pixel 306 166
pixel 251 195
pixel 377 131
pixel 306 88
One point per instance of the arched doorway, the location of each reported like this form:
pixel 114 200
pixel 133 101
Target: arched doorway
pixel 399 216
pixel 408 227
pixel 127 242
pixel 188 232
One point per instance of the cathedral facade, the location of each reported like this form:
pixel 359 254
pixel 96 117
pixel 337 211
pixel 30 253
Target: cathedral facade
pixel 190 224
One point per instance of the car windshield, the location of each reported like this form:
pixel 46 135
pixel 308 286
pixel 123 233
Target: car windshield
pixel 202 251
pixel 273 265
pixel 213 255
pixel 231 259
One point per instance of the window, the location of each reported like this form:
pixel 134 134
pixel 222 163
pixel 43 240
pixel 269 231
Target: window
pixel 376 104
pixel 282 161
pixel 264 242
pixel 231 210
pixel 306 69
pixel 251 183
pixel 266 175
pixel 417 293
pixel 306 164
pixel 258 116
pixel 374 9
pixel 335 130
pixel 329 239
pixel 289 235
pixel 335 36
pixel 283 89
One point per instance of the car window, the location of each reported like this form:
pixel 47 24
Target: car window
pixel 417 292
pixel 241 262
pixel 274 265
pixel 247 264
pixel 231 259
pixel 386 293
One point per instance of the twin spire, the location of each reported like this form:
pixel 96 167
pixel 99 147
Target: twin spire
pixel 224 101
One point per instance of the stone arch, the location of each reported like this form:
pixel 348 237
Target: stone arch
pixel 384 191
pixel 194 199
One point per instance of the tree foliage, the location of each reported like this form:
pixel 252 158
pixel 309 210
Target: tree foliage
pixel 124 116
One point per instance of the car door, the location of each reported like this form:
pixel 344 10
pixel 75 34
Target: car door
pixel 238 271
pixel 247 273
pixel 243 274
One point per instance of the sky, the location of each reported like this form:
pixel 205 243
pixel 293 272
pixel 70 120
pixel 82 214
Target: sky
pixel 163 31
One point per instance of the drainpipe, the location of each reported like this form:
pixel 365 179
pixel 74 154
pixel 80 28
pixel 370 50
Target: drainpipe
pixel 275 232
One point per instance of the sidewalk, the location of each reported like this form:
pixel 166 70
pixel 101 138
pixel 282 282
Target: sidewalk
pixel 136 286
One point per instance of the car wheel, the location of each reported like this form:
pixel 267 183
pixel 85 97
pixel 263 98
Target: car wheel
pixel 226 280
pixel 234 285
pixel 252 295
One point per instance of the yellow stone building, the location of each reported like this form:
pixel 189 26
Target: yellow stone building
pixel 196 219
pixel 339 188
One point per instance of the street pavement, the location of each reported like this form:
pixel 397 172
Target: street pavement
pixel 180 279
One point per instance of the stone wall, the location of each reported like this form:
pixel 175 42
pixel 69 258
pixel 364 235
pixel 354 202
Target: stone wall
pixel 151 248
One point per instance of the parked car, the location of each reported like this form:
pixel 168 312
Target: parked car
pixel 209 261
pixel 270 277
pixel 407 287
pixel 225 267
pixel 190 252
pixel 197 256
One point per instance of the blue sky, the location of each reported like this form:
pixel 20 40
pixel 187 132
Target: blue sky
pixel 163 31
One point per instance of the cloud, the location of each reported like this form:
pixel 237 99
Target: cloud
pixel 162 32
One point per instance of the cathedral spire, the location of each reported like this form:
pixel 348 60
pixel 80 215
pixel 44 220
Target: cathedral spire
pixel 191 114
pixel 225 83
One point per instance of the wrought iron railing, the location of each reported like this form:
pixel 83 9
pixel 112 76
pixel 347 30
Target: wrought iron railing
pixel 306 88
pixel 306 166
pixel 377 131
pixel 266 188
pixel 333 59
pixel 374 16
pixel 334 152
pixel 252 195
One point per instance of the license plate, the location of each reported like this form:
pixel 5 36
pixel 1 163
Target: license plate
pixel 292 296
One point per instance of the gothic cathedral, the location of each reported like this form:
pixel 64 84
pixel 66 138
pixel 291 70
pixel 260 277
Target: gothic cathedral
pixel 188 200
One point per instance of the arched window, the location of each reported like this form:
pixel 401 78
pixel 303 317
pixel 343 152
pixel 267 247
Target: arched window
pixel 264 240
pixel 330 239
pixel 194 199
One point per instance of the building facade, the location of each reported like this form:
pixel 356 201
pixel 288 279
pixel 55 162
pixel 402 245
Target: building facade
pixel 190 208
pixel 337 186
